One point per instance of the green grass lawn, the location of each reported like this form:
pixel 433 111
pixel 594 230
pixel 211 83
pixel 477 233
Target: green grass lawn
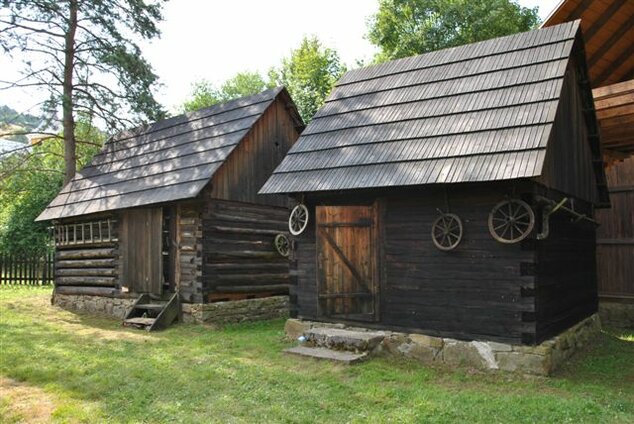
pixel 59 366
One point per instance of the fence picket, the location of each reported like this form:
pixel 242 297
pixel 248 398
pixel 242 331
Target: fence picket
pixel 26 270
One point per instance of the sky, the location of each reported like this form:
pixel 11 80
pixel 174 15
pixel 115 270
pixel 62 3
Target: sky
pixel 213 40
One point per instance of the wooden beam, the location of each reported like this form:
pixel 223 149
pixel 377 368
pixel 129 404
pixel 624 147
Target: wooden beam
pixel 625 55
pixel 252 289
pixel 605 16
pixel 83 254
pixel 89 291
pixel 613 90
pixel 85 281
pixel 607 44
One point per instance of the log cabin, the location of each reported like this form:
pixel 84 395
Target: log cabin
pixel 609 38
pixel 452 194
pixel 172 209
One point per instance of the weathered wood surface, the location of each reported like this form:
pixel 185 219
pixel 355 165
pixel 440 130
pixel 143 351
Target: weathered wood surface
pixel 569 165
pixel 89 291
pixel 85 271
pixel 87 253
pixel 565 276
pixel 141 247
pixel 259 153
pixel 347 260
pixel 85 281
pixel 615 235
pixel 483 289
pixel 238 251
pixel 189 257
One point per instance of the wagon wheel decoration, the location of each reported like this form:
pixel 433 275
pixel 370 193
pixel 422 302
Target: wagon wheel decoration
pixel 298 220
pixel 282 245
pixel 511 221
pixel 446 231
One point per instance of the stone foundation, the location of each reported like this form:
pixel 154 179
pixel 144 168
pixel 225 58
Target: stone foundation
pixel 98 305
pixel 235 311
pixel 220 312
pixel 614 314
pixel 542 359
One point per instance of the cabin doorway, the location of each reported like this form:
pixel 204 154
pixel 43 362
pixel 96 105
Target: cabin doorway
pixel 142 261
pixel 347 262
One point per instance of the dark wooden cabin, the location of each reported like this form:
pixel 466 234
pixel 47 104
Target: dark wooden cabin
pixel 452 193
pixel 173 207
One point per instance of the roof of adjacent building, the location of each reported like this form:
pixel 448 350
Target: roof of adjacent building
pixel 479 112
pixel 608 34
pixel 169 160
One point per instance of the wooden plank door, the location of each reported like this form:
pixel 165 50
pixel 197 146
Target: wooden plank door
pixel 347 262
pixel 142 266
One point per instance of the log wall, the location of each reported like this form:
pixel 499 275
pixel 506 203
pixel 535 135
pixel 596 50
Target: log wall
pixel 565 276
pixel 481 290
pixel 189 254
pixel 89 267
pixel 239 257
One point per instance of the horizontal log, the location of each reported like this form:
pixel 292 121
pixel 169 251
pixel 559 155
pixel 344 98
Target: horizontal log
pixel 85 263
pixel 252 277
pixel 243 254
pixel 252 289
pixel 223 229
pixel 89 291
pixel 86 272
pixel 230 266
pixel 85 253
pixel 85 281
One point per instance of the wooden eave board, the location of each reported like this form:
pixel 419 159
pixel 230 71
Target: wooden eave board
pixel 170 160
pixel 481 112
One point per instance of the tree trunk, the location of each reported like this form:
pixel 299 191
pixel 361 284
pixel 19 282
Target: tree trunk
pixel 70 155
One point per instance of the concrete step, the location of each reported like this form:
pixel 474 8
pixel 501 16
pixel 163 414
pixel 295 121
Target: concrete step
pixel 340 339
pixel 328 354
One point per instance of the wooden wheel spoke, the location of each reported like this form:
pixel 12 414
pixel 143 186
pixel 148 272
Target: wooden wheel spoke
pixel 511 221
pixel 446 231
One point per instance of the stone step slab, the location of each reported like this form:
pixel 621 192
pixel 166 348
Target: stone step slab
pixel 341 339
pixel 343 357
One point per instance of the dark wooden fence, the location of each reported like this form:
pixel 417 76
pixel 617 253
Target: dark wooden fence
pixel 26 271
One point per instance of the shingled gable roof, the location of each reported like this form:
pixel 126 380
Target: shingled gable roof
pixel 169 160
pixel 479 112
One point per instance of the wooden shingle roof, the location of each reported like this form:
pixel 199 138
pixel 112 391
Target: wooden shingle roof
pixel 479 112
pixel 169 160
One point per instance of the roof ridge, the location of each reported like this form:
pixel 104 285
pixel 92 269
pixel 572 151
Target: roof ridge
pixel 473 47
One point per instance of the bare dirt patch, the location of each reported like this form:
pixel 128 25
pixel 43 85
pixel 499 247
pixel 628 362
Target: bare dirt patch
pixel 23 403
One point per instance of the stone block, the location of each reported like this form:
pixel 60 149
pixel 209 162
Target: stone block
pixel 419 352
pixel 294 328
pixel 429 341
pixel 392 342
pixel 458 353
pixel 523 363
pixel 500 347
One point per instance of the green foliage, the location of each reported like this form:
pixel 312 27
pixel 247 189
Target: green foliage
pixel 11 122
pixel 29 180
pixel 204 94
pixel 309 75
pixel 96 369
pixel 404 28
pixel 83 56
